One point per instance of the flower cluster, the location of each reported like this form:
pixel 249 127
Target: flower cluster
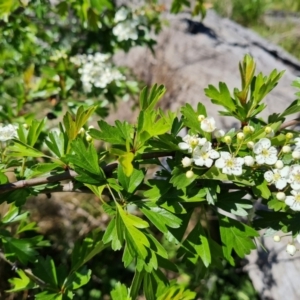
pixel 7 132
pixel 96 71
pixel 127 25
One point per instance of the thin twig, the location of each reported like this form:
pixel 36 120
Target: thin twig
pixel 290 123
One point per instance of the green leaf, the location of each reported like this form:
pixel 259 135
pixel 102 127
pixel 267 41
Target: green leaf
pixel 19 249
pixel 46 271
pixel 85 158
pixel 41 169
pixel 136 284
pixel 78 279
pixel 19 149
pixel 196 244
pixel 236 236
pixel 57 143
pixel 293 108
pixel 120 292
pixel 21 284
pixel 126 163
pixel 84 251
pixel 34 131
pixel 221 97
pixel 132 182
pixel 13 215
pixel 159 217
pixel 148 99
pixel 179 179
pixel 114 135
pixel 232 202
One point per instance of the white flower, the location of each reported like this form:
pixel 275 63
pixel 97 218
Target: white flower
pixel 296 154
pixel 186 161
pixel 294 178
pixel 204 156
pixel 219 133
pixel 191 142
pixel 293 201
pixel 298 238
pixel 278 177
pixel 297 140
pixel 265 153
pixel 230 165
pixel 7 132
pixel 291 249
pixel 249 161
pixel 126 30
pixel 121 14
pixel 208 124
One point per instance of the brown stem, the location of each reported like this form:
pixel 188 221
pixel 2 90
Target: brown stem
pixel 290 123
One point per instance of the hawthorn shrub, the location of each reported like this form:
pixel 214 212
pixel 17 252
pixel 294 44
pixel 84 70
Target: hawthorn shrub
pixel 207 170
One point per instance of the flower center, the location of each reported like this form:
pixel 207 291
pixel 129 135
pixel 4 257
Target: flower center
pixel 265 152
pixel 205 155
pixel 230 163
pixel 297 177
pixel 297 198
pixel 276 176
pixel 194 142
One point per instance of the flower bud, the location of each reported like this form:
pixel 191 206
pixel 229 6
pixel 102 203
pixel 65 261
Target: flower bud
pixel 189 174
pixel 25 126
pixel 186 162
pixel 227 139
pixel 286 149
pixel 296 154
pixel 194 142
pixel 250 145
pixel 81 131
pixel 249 161
pixel 240 136
pixel 219 133
pixel 276 238
pixel 268 130
pixel 291 249
pixel 280 196
pixel 201 118
pixel 289 136
pixel 248 129
pixel 279 164
pixel 88 138
pixel 91 127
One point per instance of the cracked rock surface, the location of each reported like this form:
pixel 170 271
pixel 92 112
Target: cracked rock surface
pixel 190 55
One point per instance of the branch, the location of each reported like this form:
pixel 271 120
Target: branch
pixel 69 175
pixel 290 123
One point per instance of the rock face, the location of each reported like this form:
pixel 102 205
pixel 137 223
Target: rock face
pixel 188 57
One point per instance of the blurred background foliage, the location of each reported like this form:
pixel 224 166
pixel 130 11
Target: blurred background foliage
pixel 276 20
pixel 40 42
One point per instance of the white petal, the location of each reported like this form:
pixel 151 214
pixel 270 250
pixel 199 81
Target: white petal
pixel 281 183
pixel 183 146
pixel 225 155
pixel 284 172
pixel 208 162
pixel 199 161
pixel 289 200
pixel 237 171
pixel 271 160
pixel 295 185
pixel 273 151
pixel 257 148
pixel 220 163
pixel 266 143
pixel 214 154
pixel 268 176
pixel 239 161
pixel 260 159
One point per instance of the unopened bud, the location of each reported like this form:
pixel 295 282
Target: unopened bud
pixel 250 145
pixel 280 196
pixel 296 154
pixel 268 130
pixel 91 127
pixel 248 129
pixel 249 161
pixel 88 138
pixel 25 126
pixel 276 238
pixel 291 249
pixel 289 136
pixel 240 136
pixel 186 162
pixel 279 164
pixel 227 139
pixel 189 174
pixel 201 118
pixel 81 130
pixel 219 133
pixel 286 149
